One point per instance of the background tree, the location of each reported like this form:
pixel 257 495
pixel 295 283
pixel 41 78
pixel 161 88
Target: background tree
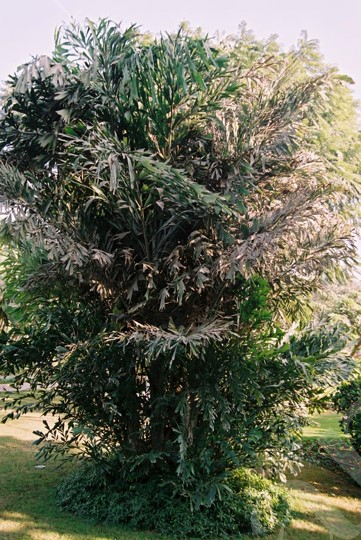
pixel 172 208
pixel 340 306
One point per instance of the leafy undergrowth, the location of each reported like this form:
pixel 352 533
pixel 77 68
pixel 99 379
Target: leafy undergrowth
pixel 250 504
pixel 324 502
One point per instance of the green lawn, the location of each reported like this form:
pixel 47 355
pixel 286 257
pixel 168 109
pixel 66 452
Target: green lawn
pixel 322 500
pixel 27 504
pixel 327 426
pixel 6 380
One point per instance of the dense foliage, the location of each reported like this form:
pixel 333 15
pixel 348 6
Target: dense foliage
pixel 339 306
pixel 347 401
pixel 173 202
pixel 251 503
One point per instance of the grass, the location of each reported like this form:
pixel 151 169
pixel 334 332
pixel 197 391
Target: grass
pixel 326 426
pixel 324 502
pixel 6 380
pixel 28 508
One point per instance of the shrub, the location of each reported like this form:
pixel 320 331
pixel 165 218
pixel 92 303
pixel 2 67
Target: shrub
pixel 347 401
pixel 175 201
pixel 246 503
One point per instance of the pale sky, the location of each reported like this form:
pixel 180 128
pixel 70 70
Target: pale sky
pixel 27 26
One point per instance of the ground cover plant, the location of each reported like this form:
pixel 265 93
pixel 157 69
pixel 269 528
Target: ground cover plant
pixel 173 203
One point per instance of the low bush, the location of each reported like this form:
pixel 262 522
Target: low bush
pixel 247 503
pixel 347 401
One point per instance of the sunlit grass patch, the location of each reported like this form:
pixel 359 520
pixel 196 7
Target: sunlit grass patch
pixel 326 505
pixel 23 428
pixel 326 426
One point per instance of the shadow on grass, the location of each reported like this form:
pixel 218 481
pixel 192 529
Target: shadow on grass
pixel 325 506
pixel 333 483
